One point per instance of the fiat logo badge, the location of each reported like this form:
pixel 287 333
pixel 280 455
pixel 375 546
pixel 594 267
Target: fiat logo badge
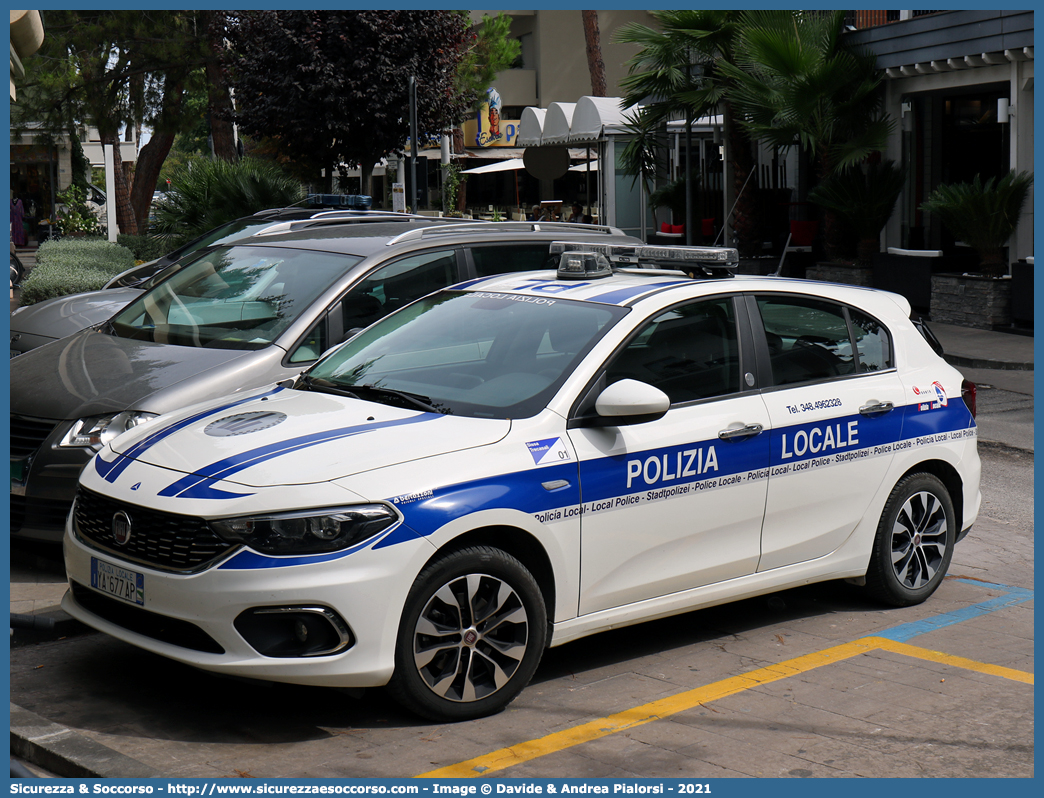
pixel 121 528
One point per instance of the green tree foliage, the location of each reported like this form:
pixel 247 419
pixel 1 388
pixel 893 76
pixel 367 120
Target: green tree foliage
pixel 677 73
pixel 982 215
pixel 331 87
pixel 110 69
pixel 795 83
pixel 205 193
pixel 490 49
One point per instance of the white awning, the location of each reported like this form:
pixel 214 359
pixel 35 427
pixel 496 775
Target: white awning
pixel 593 115
pixel 582 167
pixel 531 127
pixel 557 123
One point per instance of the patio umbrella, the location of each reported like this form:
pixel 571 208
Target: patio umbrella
pixel 497 166
pixel 510 165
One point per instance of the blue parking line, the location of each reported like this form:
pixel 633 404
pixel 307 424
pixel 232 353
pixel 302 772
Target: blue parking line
pixel 1014 595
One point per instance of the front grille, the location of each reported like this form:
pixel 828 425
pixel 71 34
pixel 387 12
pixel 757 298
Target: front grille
pixel 28 434
pixel 150 624
pixel 38 514
pixel 17 512
pixel 164 540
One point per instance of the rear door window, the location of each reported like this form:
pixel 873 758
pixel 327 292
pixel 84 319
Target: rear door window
pixel 808 339
pixel 508 257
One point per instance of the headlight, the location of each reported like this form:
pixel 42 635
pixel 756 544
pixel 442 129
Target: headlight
pixel 96 431
pixel 308 531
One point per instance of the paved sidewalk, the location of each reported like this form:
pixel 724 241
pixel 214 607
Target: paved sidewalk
pixel 984 349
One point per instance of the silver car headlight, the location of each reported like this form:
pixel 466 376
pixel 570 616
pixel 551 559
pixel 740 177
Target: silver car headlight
pixel 307 531
pixel 94 432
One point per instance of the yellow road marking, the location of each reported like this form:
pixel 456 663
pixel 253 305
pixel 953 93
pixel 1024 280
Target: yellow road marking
pixel 671 705
pixel 950 659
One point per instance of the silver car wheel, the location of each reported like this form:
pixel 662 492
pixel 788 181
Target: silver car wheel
pixel 919 540
pixel 470 637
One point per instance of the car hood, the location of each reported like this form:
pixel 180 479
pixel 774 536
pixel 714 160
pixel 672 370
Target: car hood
pixel 283 436
pixel 90 373
pixel 57 318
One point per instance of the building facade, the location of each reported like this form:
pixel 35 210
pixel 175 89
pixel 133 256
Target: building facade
pixel 960 86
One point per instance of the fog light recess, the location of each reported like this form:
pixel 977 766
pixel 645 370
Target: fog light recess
pixel 300 631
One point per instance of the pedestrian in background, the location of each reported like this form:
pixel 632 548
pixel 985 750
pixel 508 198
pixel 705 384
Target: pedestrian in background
pixel 18 236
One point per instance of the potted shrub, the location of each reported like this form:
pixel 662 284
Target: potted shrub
pixel 984 216
pixel 74 218
pixel 863 199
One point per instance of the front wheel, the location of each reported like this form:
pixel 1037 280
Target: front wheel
pixel 471 636
pixel 914 542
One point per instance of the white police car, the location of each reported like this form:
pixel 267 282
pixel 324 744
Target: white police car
pixel 524 460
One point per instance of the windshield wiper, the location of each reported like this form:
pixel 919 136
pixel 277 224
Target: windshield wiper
pixel 324 386
pixel 373 393
pixel 377 393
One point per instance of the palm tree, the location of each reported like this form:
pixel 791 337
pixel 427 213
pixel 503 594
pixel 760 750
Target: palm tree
pixel 206 193
pixel 795 83
pixel 677 72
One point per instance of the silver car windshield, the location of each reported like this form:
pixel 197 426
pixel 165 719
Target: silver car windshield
pixel 475 354
pixel 232 298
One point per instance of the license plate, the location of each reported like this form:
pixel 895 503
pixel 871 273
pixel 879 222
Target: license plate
pixel 118 582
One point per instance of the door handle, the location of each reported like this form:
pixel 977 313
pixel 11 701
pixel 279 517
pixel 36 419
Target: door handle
pixel 739 433
pixel 876 408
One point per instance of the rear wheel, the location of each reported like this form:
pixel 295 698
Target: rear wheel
pixel 471 636
pixel 914 542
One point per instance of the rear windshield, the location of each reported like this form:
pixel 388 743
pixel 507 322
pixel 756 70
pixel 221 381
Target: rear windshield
pixel 232 298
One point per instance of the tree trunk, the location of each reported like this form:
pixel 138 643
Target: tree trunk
pixel 124 213
pixel 745 219
pixel 592 37
pixel 833 233
pixel 366 177
pixel 218 98
pixel 146 173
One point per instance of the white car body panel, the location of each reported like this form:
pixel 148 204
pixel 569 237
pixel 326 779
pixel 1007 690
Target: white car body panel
pixel 636 522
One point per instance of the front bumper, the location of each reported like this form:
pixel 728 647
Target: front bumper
pixel 43 483
pixel 367 589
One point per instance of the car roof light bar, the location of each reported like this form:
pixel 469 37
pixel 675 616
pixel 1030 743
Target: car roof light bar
pixel 709 259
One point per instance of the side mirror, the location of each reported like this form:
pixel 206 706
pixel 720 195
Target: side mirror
pixel 630 402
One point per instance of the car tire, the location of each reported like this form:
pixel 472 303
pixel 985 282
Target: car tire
pixel 914 542
pixel 472 633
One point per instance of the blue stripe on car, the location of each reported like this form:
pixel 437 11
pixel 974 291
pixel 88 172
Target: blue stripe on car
pixel 198 485
pixel 111 470
pixel 622 295
pixel 605 478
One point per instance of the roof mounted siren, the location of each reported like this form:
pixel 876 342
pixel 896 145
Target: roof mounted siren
pixel 694 261
pixel 583 265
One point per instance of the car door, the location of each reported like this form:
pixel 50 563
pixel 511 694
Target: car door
pixel 835 407
pixel 675 503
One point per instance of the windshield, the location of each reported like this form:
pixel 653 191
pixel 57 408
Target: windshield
pixel 232 298
pixel 224 234
pixel 473 354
